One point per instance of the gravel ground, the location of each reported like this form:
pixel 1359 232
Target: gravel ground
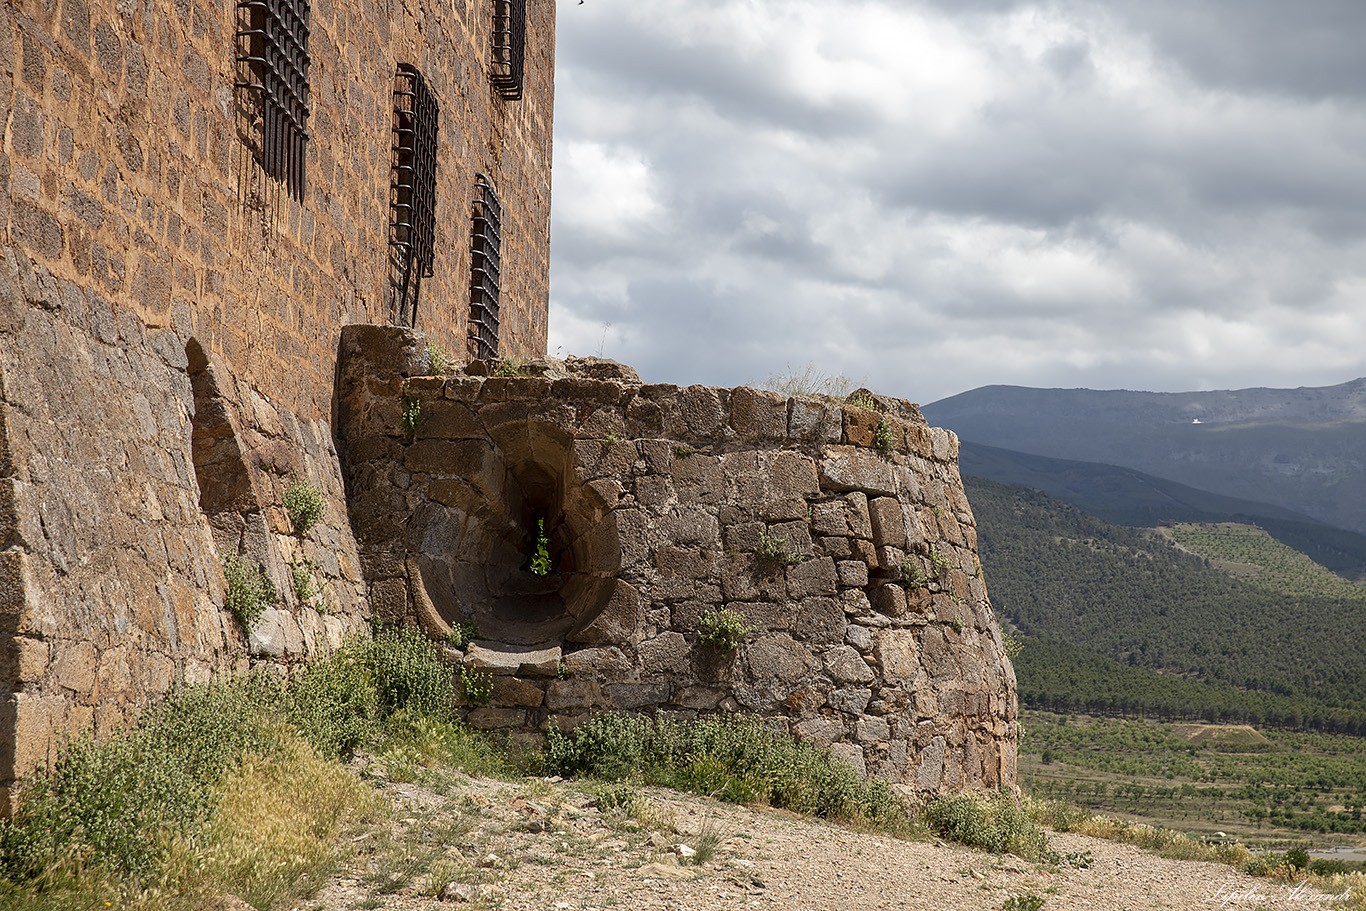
pixel 546 846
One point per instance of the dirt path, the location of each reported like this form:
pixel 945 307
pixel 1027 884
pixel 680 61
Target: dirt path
pixel 545 846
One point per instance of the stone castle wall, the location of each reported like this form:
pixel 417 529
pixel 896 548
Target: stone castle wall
pixel 127 174
pixel 170 318
pixel 871 630
pixel 129 462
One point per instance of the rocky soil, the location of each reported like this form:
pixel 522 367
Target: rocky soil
pixel 547 845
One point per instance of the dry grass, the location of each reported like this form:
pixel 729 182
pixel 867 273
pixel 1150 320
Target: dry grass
pixel 275 831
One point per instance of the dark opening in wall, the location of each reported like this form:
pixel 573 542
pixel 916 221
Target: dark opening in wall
pixel 485 272
pixel 412 190
pixel 476 541
pixel 272 79
pixel 509 47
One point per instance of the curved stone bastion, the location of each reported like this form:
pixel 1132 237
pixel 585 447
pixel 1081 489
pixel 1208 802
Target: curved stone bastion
pixel 839 533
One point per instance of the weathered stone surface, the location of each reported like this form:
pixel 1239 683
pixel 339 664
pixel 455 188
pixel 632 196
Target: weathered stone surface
pixel 846 665
pixel 501 658
pixel 738 506
pixel 853 468
pixel 778 656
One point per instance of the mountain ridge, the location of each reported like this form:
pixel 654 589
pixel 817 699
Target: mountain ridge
pixel 1301 449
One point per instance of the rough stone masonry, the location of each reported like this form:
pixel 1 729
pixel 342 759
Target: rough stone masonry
pixel 839 532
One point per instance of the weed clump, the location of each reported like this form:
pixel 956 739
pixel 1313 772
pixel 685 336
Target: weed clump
pixel 774 550
pixel 737 759
pixel 722 629
pixel 248 591
pixel 993 822
pixel 304 504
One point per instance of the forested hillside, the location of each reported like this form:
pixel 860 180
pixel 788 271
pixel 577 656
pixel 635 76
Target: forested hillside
pixel 1120 619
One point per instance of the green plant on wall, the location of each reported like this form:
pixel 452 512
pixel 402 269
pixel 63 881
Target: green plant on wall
pixel 540 560
pixel 912 573
pixel 304 504
pixel 477 685
pixel 462 634
pixel 440 357
pixel 883 437
pixel 775 550
pixel 722 629
pixel 301 574
pixel 862 400
pixel 248 591
pixel 939 561
pixel 411 418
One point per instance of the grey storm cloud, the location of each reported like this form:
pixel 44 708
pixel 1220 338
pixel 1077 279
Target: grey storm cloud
pixel 934 196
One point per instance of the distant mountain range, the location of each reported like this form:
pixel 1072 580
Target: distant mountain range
pixel 1302 450
pixel 1128 497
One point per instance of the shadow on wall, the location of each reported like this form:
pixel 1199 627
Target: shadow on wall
pixel 474 543
pixel 461 501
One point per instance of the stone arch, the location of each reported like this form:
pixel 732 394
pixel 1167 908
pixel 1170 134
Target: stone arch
pixel 471 542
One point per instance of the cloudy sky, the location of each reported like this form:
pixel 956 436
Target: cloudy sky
pixel 933 196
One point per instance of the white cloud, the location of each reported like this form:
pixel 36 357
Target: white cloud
pixel 941 196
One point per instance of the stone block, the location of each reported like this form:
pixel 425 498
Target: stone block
pixel 637 695
pixel 845 665
pixel 823 729
pixel 493 718
pixel 889 600
pixel 851 700
pixel 696 413
pixel 815 421
pixel 500 658
pixel 572 694
pixel 852 468
pixel 587 391
pixel 665 653
pixel 820 622
pixel 693 527
pixel 860 426
pixel 745 577
pixel 860 637
pixel 617 623
pixel 852 754
pixel 514 691
pixel 758 414
pixel 702 698
pixel 698 479
pixel 277 634
pixel 74 665
pixel 607 663
pixel 870 729
pixel 811 577
pixel 22 660
pixel 897 654
pixel 790 475
pixel 856 515
pixel 443 419
pixel 930 772
pixel 828 518
pixel 888 521
pixel 778 656
pixel 852 572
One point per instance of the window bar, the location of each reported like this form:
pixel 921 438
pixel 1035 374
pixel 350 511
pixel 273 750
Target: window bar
pixel 485 265
pixel 509 47
pixel 273 62
pixel 413 185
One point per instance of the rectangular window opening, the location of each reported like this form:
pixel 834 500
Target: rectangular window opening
pixel 272 71
pixel 412 189
pixel 509 47
pixel 485 264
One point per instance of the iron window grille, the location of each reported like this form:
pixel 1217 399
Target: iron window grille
pixel 509 47
pixel 484 272
pixel 412 188
pixel 272 68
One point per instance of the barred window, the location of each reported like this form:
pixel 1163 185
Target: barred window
pixel 484 272
pixel 272 71
pixel 412 188
pixel 509 47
